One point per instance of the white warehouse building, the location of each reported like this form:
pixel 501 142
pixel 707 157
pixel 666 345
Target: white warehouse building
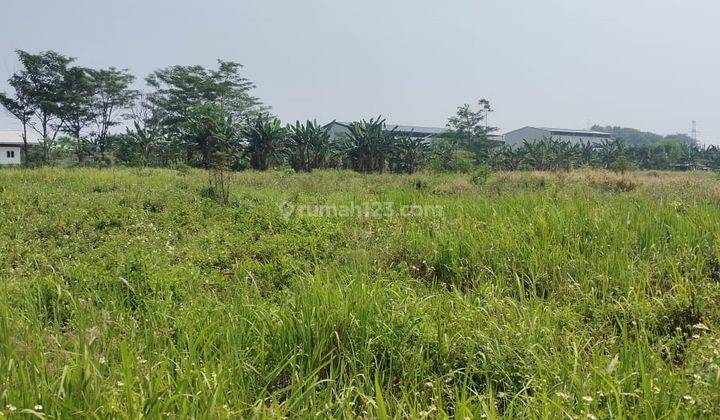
pixel 533 134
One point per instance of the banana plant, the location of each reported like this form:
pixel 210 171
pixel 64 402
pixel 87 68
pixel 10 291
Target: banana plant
pixel 368 145
pixel 264 137
pixel 307 145
pixel 409 155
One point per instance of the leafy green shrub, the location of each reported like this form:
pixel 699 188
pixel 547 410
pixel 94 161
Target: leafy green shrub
pixel 461 161
pixel 480 175
pixel 181 168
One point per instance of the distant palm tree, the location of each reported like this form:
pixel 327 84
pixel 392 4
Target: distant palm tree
pixel 409 155
pixel 264 136
pixel 368 145
pixel 308 146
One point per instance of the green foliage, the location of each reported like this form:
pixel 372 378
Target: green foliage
pixel 111 95
pixel 410 155
pixel 446 156
pixel 308 146
pixel 468 130
pixel 369 145
pixel 265 138
pixel 637 137
pixel 211 133
pixel 481 175
pixel 52 96
pixel 620 165
pixel 136 147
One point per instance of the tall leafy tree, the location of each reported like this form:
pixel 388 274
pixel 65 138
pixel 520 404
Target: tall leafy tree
pixel 38 89
pixel 112 95
pixel 213 133
pixel 20 107
pixel 76 107
pixel 468 129
pixel 45 73
pixel 178 89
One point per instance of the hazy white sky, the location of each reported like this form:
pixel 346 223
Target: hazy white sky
pixel 649 64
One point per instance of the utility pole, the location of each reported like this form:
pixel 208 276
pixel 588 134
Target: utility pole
pixel 694 132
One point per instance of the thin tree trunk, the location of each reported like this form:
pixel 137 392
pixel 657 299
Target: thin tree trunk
pixel 24 155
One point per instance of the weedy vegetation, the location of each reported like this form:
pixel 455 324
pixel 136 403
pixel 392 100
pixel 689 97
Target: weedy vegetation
pixel 130 292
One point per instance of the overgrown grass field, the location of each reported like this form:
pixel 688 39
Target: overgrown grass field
pixel 129 293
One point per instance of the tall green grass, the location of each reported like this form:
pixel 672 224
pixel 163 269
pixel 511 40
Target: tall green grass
pixel 128 293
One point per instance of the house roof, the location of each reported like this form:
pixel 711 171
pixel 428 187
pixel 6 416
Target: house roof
pixel 574 132
pixel 566 131
pixel 416 129
pixel 402 128
pixel 14 138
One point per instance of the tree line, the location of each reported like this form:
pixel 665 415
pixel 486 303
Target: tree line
pixel 209 118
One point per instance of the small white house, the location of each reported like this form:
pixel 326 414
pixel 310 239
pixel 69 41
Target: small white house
pixel 533 134
pixel 11 144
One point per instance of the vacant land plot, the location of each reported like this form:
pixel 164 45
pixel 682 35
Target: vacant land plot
pixel 132 292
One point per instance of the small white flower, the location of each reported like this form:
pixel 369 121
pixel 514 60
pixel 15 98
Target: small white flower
pixel 38 407
pixel 11 407
pixel 588 399
pixel 119 384
pixel 562 395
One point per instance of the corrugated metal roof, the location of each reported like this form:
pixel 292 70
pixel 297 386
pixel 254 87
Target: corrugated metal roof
pixel 15 137
pixel 573 131
pixel 404 128
pixel 416 129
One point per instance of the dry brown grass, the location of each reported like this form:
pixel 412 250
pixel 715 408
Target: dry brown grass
pixel 707 183
pixel 608 181
pixel 457 185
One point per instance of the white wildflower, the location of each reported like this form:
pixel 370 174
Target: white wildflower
pixel 562 395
